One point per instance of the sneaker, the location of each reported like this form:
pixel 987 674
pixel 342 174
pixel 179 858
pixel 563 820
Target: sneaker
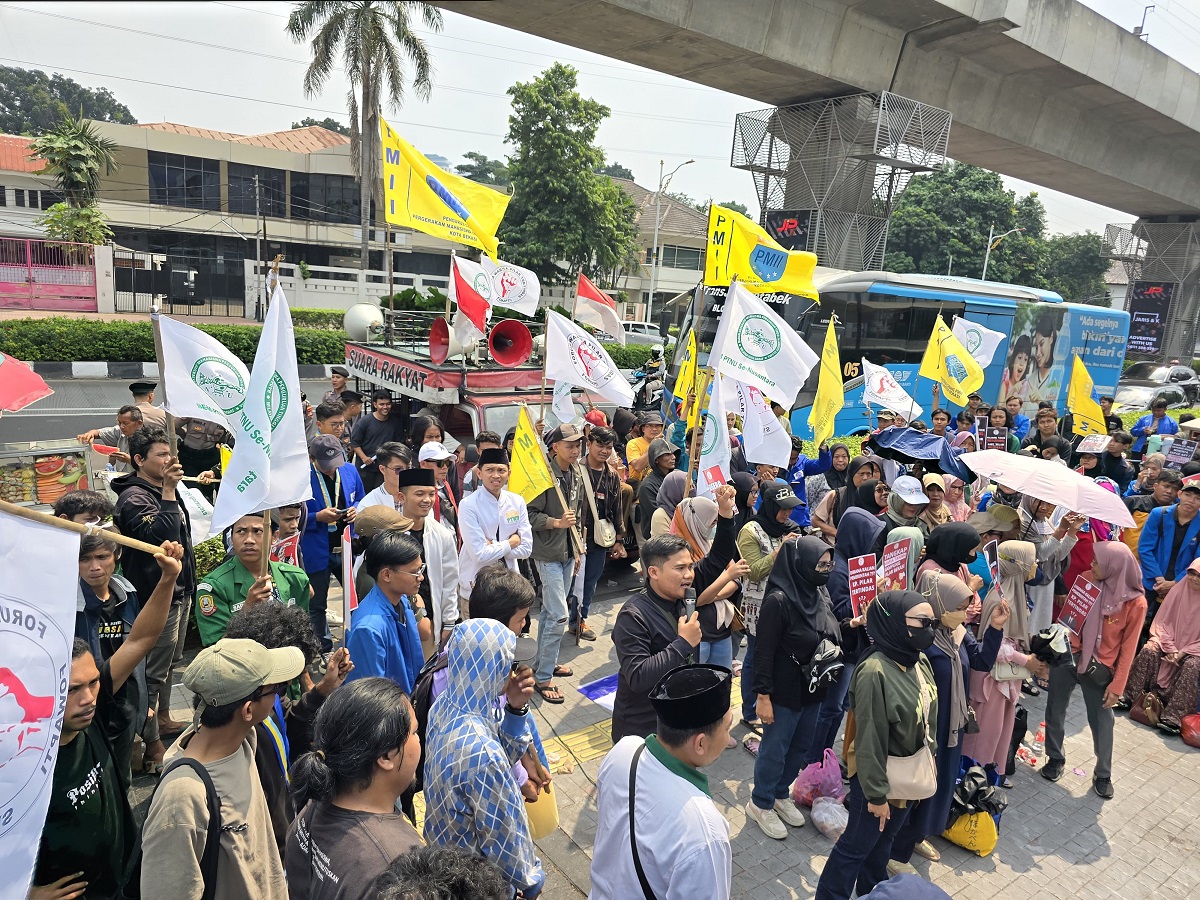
pixel 768 820
pixel 895 868
pixel 787 810
pixel 1103 788
pixel 1053 769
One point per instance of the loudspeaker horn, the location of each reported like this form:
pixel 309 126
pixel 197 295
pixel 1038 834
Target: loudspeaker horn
pixel 443 343
pixel 510 343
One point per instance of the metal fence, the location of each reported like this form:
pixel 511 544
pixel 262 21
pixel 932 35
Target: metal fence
pixel 181 285
pixel 54 275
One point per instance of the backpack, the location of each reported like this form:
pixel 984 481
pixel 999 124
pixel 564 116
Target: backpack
pixel 422 699
pixel 131 888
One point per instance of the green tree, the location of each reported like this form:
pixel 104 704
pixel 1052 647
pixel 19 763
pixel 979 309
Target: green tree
pixel 561 210
pixel 78 224
pixel 328 122
pixel 729 204
pixel 75 154
pixel 32 102
pixel 615 170
pixel 375 42
pixel 484 170
pixel 1075 267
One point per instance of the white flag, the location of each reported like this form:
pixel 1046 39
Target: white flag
pixel 471 293
pixel 564 406
pixel 755 346
pixel 715 449
pixel 37 595
pixel 980 342
pixel 512 286
pixel 574 356
pixel 764 437
pixel 881 389
pixel 269 465
pixel 202 378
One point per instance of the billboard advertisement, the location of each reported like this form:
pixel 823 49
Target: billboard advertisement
pixel 1149 302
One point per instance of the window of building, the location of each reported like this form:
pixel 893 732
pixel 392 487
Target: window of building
pixel 325 198
pixel 271 185
pixel 190 181
pixel 3 195
pixel 47 198
pixel 19 196
pixel 680 257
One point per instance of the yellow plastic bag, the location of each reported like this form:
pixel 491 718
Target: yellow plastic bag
pixel 975 832
pixel 543 814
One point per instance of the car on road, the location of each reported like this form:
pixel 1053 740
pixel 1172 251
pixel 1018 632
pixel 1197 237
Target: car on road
pixel 1153 373
pixel 1139 397
pixel 645 333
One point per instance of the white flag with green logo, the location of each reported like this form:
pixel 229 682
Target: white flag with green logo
pixel 755 346
pixel 715 450
pixel 202 379
pixel 269 465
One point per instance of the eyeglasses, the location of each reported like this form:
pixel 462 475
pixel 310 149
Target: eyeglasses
pixel 420 573
pixel 924 621
pixel 824 567
pixel 268 690
pixel 441 463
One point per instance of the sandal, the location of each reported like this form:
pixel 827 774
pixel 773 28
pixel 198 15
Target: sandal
pixel 928 851
pixel 546 690
pixel 563 671
pixel 1029 686
pixel 754 725
pixel 751 744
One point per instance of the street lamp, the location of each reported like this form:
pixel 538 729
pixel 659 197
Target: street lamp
pixel 993 241
pixel 662 186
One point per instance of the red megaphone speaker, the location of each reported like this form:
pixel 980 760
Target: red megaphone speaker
pixel 510 343
pixel 443 343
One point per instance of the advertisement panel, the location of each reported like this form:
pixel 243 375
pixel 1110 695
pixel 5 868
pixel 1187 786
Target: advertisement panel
pixel 1149 302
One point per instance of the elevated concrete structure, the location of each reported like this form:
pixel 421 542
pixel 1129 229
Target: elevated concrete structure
pixel 1043 90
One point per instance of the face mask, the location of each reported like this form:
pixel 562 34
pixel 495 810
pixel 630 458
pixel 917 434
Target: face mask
pixel 818 578
pixel 953 619
pixel 711 533
pixel 920 638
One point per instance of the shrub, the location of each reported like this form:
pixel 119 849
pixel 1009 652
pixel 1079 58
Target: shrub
pixel 209 555
pixel 326 319
pixel 629 357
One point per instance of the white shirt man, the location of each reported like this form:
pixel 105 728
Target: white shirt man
pixel 417 488
pixel 682 838
pixel 391 464
pixel 493 522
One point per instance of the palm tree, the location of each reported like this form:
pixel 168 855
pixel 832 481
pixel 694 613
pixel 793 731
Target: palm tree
pixel 74 153
pixel 374 41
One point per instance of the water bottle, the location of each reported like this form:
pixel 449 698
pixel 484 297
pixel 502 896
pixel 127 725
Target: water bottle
pixel 1039 738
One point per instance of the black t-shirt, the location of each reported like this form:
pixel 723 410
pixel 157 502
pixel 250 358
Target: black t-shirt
pixel 370 433
pixel 1176 543
pixel 89 825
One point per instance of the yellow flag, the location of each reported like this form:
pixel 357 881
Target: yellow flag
pixel 530 476
pixel 226 454
pixel 830 396
pixel 1086 414
pixel 947 362
pixel 685 383
pixel 739 248
pixel 417 194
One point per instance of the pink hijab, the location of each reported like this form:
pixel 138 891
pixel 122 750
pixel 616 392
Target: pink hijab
pixel 1120 582
pixel 960 510
pixel 1176 626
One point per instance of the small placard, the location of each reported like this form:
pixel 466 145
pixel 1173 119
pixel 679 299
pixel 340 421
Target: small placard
pixel 893 575
pixel 864 582
pixel 1181 453
pixel 1083 596
pixel 1094 443
pixel 995 439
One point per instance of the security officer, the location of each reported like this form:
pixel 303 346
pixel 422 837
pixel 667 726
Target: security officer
pixel 143 398
pixel 234 584
pixel 198 448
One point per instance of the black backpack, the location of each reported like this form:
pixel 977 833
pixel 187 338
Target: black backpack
pixel 422 698
pixel 131 889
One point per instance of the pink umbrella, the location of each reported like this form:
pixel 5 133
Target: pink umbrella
pixel 19 385
pixel 1050 481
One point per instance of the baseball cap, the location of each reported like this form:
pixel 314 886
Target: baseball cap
pixel 327 450
pixel 567 432
pixel 1189 485
pixel 234 668
pixel 596 417
pixel 340 370
pixel 433 451
pixel 782 496
pixel 650 418
pixel 885 414
pixel 909 490
pixel 374 519
pixel 974 394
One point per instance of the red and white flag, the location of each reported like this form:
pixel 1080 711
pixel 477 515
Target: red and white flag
pixel 471 291
pixel 597 309
pixel 19 385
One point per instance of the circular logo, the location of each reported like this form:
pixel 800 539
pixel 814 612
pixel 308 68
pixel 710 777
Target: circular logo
pixel 511 283
pixel 276 399
pixel 33 698
pixel 221 381
pixel 974 340
pixel 955 367
pixel 758 338
pixel 588 359
pixel 710 433
pixel 483 286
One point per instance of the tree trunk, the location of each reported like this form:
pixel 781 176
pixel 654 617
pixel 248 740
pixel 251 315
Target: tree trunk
pixel 364 168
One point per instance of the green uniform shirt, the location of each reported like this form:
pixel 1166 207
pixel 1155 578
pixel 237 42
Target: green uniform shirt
pixel 223 592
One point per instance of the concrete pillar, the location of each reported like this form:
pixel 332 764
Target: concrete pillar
pixel 106 283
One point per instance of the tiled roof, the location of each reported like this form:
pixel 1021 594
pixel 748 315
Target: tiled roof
pixel 191 130
pixel 295 140
pixel 677 218
pixel 14 154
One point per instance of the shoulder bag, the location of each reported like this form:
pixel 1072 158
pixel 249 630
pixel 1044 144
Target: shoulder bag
pixel 1008 671
pixel 603 531
pixel 915 777
pixel 637 859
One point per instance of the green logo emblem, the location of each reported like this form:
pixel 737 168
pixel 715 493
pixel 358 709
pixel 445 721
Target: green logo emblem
pixel 974 340
pixel 710 434
pixel 758 338
pixel 221 381
pixel 276 400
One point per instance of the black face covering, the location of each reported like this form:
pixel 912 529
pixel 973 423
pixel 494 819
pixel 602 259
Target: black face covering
pixel 888 630
pixel 920 639
pixel 819 578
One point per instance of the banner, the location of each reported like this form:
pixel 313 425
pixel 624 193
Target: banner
pixel 594 307
pixel 864 582
pixel 765 440
pixel 37 628
pixel 980 342
pixel 1083 596
pixel 202 378
pixel 1182 452
pixel 419 195
pixel 529 475
pixel 715 449
pixel 574 356
pixel 512 286
pixel 947 362
pixel 269 464
pixel 1149 303
pixel 1086 415
pixel 880 388
pixel 740 250
pixel 756 347
pixel 564 406
pixel 685 381
pixel 893 571
pixel 286 550
pixel 471 293
pixel 831 396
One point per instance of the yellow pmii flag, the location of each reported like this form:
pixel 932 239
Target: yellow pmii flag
pixel 529 475
pixel 947 362
pixel 830 396
pixel 417 194
pixel 739 248
pixel 1086 414
pixel 686 380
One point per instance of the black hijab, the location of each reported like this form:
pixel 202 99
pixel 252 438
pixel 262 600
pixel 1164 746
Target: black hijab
pixel 765 517
pixel 833 477
pixel 797 561
pixel 888 630
pixel 847 495
pixel 743 484
pixel 864 497
pixel 952 545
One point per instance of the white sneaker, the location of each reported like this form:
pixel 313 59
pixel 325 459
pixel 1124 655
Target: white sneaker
pixel 787 810
pixel 767 820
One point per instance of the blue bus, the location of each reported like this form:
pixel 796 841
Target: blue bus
pixel 887 318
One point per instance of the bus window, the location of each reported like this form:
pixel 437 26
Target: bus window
pixel 895 330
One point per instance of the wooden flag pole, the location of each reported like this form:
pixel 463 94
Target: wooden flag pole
pixel 172 441
pixel 265 563
pixel 693 457
pixel 576 538
pixel 32 515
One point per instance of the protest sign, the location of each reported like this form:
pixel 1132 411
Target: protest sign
pixel 1181 453
pixel 864 582
pixel 893 573
pixel 995 439
pixel 981 424
pixel 991 552
pixel 1094 443
pixel 1083 596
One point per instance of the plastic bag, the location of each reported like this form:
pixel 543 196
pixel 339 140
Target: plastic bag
pixel 822 779
pixel 975 832
pixel 830 817
pixel 200 512
pixel 1190 730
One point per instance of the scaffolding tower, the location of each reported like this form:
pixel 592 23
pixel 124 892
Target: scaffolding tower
pixel 1163 256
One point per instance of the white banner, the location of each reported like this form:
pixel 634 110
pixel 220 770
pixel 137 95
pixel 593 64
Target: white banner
pixel 754 345
pixel 881 389
pixel 574 356
pixel 512 286
pixel 564 406
pixel 715 449
pixel 765 440
pixel 980 342
pixel 37 627
pixel 269 465
pixel 202 378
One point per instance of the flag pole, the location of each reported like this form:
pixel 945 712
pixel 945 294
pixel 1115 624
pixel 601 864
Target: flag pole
pixel 265 562
pixel 32 515
pixel 452 257
pixel 172 441
pixel 576 539
pixel 542 405
pixel 693 458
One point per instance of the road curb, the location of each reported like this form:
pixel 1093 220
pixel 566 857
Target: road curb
pixel 134 370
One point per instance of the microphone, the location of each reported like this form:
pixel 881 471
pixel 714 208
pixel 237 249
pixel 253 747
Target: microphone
pixel 689 602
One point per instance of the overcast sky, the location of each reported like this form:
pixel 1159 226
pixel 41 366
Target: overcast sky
pixel 231 67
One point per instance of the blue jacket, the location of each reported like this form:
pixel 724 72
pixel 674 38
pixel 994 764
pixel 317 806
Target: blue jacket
pixel 314 543
pixel 384 642
pixel 795 477
pixel 1166 426
pixel 1020 426
pixel 1154 545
